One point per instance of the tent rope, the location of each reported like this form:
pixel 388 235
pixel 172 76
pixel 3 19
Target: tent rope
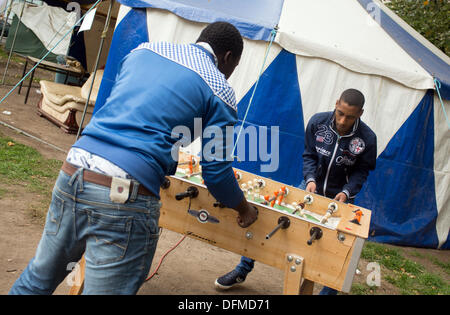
pixel 437 85
pixel 272 38
pixel 37 64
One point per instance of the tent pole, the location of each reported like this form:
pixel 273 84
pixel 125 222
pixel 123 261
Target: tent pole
pixel 14 41
pixel 5 19
pixel 105 30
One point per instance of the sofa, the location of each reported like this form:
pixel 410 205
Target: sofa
pixel 64 104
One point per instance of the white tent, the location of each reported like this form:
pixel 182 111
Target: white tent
pixel 320 49
pixel 48 23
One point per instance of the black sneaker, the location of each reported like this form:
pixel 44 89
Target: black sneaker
pixel 230 279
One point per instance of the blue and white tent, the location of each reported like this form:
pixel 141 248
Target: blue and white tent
pixel 320 49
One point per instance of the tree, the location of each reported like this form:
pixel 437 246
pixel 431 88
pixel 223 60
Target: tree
pixel 430 18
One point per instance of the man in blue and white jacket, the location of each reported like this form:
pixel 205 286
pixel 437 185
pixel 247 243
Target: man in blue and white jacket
pixel 340 149
pixel 105 201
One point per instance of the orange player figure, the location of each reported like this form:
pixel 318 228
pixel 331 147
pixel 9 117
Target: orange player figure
pixel 274 199
pixel 268 199
pixel 357 219
pixel 281 194
pixel 277 194
pixel 191 164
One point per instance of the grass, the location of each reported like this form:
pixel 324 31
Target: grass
pixel 4 55
pixel 409 277
pixel 444 266
pixel 3 192
pixel 24 166
pixel 363 289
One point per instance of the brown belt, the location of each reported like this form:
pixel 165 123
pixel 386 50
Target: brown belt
pixel 100 179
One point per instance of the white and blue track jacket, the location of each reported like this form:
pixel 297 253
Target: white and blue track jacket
pixel 338 163
pixel 161 86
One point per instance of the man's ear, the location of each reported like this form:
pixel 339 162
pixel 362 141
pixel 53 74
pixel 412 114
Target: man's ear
pixel 227 57
pixel 361 112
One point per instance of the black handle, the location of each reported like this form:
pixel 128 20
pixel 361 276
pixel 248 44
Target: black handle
pixel 316 234
pixel 218 204
pixel 191 192
pixel 166 183
pixel 283 223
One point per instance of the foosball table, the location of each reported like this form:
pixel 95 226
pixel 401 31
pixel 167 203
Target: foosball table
pixel 312 238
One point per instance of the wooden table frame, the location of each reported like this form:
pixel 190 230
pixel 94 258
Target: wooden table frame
pixel 49 66
pixel 332 260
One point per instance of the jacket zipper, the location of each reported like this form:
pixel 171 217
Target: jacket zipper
pixel 355 126
pixel 329 165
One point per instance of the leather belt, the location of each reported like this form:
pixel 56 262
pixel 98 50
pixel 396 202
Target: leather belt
pixel 100 179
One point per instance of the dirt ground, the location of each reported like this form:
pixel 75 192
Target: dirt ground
pixel 188 270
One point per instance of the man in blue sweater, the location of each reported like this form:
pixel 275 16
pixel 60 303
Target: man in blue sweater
pixel 340 150
pixel 105 202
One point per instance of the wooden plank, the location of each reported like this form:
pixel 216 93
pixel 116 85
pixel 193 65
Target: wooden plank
pixel 293 272
pixel 78 285
pixel 307 287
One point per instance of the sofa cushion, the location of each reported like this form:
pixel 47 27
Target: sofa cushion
pixel 87 85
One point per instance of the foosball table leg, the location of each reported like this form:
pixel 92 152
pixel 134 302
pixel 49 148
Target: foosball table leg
pixel 294 283
pixel 78 284
pixel 307 287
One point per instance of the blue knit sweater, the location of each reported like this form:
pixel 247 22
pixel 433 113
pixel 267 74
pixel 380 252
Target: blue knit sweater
pixel 161 86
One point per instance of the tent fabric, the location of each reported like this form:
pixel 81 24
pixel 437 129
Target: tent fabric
pixel 364 49
pixel 255 19
pixel 442 170
pixel 430 58
pixel 127 36
pixel 77 48
pixel 27 43
pixel 287 115
pixel 408 192
pixel 49 24
pixel 405 173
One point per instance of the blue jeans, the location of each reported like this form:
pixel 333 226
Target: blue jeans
pixel 245 266
pixel 118 240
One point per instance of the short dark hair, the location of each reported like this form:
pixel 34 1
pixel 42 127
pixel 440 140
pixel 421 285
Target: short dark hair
pixel 353 97
pixel 222 37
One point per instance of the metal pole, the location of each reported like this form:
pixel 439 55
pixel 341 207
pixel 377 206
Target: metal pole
pixel 6 20
pixel 31 136
pixel 105 30
pixel 12 45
